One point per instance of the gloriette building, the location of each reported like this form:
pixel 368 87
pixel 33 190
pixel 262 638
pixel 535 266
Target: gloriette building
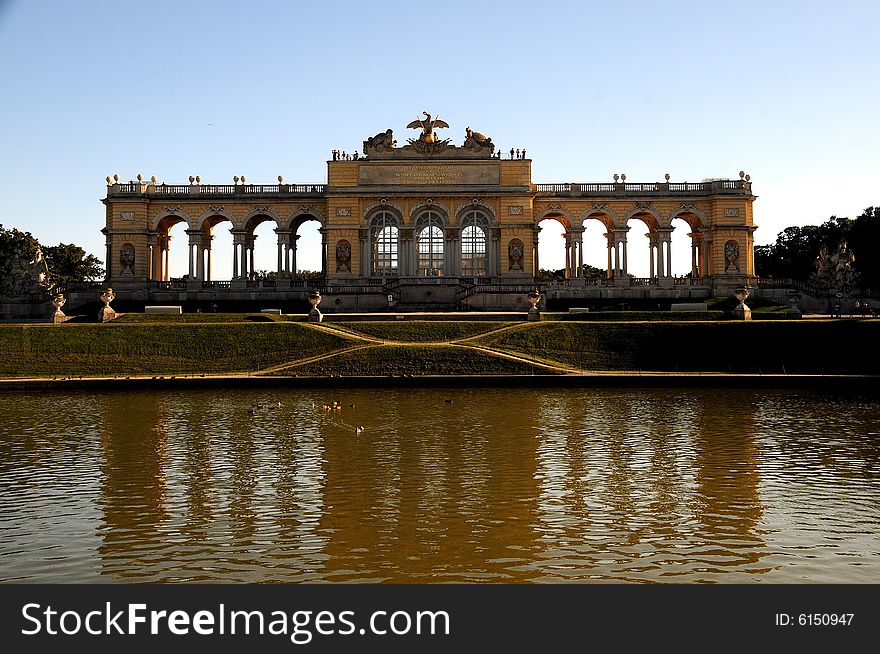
pixel 430 224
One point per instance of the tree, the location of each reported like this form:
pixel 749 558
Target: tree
pixel 794 253
pixel 70 263
pixel 16 250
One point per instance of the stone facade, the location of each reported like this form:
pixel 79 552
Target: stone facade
pixel 435 219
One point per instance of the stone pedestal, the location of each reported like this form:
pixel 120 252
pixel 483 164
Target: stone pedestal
pixel 107 313
pixel 58 301
pixel 793 298
pixel 314 314
pixel 741 311
pixel 534 298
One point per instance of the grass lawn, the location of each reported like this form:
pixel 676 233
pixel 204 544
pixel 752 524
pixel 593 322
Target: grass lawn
pixel 415 360
pixel 420 331
pixel 93 349
pixel 755 347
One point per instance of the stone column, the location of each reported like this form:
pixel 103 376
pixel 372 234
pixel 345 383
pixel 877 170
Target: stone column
pixel 536 263
pixel 279 266
pixel 324 239
pixel 207 245
pixel 652 249
pixel 664 238
pixel 251 240
pixel 155 257
pixel 364 255
pixel 567 272
pixel 579 241
pixel 239 264
pixel 609 270
pixel 452 252
pixel 196 254
pixel 405 251
pixel 620 253
pixel 493 251
pixel 166 246
pixel 696 253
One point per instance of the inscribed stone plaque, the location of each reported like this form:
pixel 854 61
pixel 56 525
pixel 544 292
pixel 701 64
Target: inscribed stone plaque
pixel 430 174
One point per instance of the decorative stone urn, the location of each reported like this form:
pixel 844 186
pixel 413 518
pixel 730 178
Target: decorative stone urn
pixel 58 301
pixel 315 299
pixel 534 299
pixel 107 313
pixel 794 296
pixel 741 311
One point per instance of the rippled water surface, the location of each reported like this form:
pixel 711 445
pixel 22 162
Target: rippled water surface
pixel 441 485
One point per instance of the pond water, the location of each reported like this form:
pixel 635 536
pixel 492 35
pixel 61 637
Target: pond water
pixel 441 485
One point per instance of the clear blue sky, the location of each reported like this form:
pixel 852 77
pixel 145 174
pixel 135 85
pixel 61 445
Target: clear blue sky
pixel 787 91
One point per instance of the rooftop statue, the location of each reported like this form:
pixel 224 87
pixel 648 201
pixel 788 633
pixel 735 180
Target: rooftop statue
pixel 476 141
pixel 429 144
pixel 382 142
pixel 427 126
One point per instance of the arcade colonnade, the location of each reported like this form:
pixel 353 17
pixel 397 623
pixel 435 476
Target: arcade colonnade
pixel 618 245
pixel 397 214
pixel 429 247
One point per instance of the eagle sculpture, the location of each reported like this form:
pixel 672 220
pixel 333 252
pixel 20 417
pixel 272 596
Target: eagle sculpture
pixel 427 126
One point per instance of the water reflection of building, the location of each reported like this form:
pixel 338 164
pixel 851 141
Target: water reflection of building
pixel 630 489
pixel 728 506
pixel 196 488
pixel 422 498
pixel 133 488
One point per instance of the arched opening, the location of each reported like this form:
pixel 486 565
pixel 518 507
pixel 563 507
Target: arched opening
pixel 173 254
pixel 384 244
pixel 474 244
pixel 688 257
pixel 217 242
pixel 260 235
pixel 306 251
pixel 429 245
pixel 644 259
pixel 597 265
pixel 551 264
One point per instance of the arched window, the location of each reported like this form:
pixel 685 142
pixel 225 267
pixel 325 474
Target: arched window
pixel 385 240
pixel 473 244
pixel 430 245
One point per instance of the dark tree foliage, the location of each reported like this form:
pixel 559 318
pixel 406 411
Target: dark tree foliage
pixel 794 253
pixel 14 242
pixel 66 262
pixel 70 263
pixel 548 276
pixel 14 246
